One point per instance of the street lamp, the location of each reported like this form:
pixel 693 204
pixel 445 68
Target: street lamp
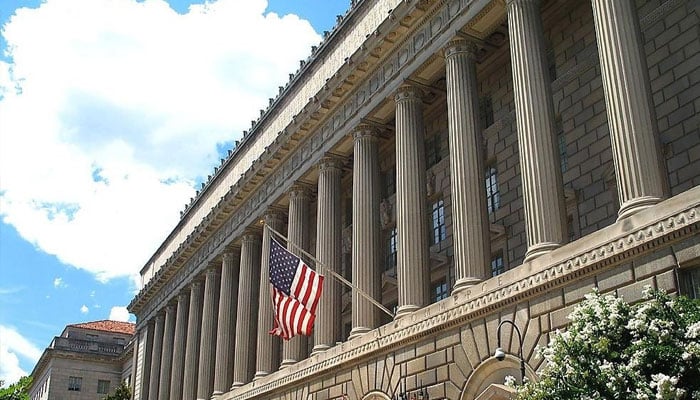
pixel 500 355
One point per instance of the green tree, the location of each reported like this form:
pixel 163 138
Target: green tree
pixel 122 392
pixel 17 391
pixel 614 350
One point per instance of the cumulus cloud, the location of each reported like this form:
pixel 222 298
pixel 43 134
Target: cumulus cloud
pixel 14 346
pixel 111 110
pixel 84 309
pixel 119 314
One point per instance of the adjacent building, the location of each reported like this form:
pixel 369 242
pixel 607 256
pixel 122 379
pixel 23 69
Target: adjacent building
pixel 464 162
pixel 87 362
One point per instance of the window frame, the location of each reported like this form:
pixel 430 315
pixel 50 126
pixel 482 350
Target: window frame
pixel 438 222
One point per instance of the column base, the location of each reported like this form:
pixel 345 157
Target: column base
pixel 287 363
pixel 404 310
pixel 358 331
pixel 236 385
pixel 635 205
pixel 319 348
pixel 216 393
pixel 465 283
pixel 260 375
pixel 539 250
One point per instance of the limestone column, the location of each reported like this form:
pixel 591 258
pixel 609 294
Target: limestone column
pixel 295 349
pixel 366 240
pixel 178 370
pixel 631 116
pixel 543 195
pixel 247 310
pixel 327 329
pixel 194 327
pixel 154 381
pixel 268 350
pixel 207 343
pixel 144 364
pixel 226 327
pixel 470 222
pixel 413 258
pixel 134 363
pixel 166 358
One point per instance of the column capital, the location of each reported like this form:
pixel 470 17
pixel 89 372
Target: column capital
pixel 228 256
pixel 458 46
pixel 329 162
pixel 363 130
pixel 182 296
pixel 299 191
pixel 196 285
pixel 249 237
pixel 212 270
pixel 408 93
pixel 170 307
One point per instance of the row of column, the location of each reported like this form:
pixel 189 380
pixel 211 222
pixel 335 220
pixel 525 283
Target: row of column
pixel 200 346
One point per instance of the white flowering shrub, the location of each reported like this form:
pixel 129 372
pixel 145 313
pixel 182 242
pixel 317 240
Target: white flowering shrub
pixel 613 350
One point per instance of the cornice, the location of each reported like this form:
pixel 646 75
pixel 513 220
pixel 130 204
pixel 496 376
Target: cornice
pixel 296 145
pixel 658 226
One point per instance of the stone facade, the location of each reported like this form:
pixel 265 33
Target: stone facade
pixel 467 162
pixel 88 361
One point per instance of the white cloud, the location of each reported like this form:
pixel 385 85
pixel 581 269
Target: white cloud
pixel 84 309
pixel 113 108
pixel 59 284
pixel 14 346
pixel 119 314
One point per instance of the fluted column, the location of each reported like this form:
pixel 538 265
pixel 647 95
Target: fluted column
pixel 543 195
pixel 247 310
pixel 166 358
pixel 178 370
pixel 268 350
pixel 329 252
pixel 154 382
pixel 631 117
pixel 207 344
pixel 226 327
pixel 470 223
pixel 366 240
pixel 144 364
pixel 295 349
pixel 413 259
pixel 194 328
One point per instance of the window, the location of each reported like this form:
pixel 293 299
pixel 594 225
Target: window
pixel 497 265
pixel 439 230
pixel 690 282
pixel 348 212
pixel 485 112
pixel 493 196
pixel 391 250
pixel 433 150
pixel 74 383
pixel 389 182
pixel 102 386
pixel 440 291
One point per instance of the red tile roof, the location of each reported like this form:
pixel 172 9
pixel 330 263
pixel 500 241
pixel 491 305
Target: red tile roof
pixel 128 328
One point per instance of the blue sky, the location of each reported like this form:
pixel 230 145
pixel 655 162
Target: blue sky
pixel 111 113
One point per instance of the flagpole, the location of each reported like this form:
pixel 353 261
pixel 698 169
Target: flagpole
pixel 333 273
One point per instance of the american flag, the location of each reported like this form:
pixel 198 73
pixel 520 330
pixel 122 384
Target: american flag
pixel 296 289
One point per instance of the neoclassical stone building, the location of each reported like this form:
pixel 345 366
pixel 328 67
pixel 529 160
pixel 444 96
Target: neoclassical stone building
pixel 465 162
